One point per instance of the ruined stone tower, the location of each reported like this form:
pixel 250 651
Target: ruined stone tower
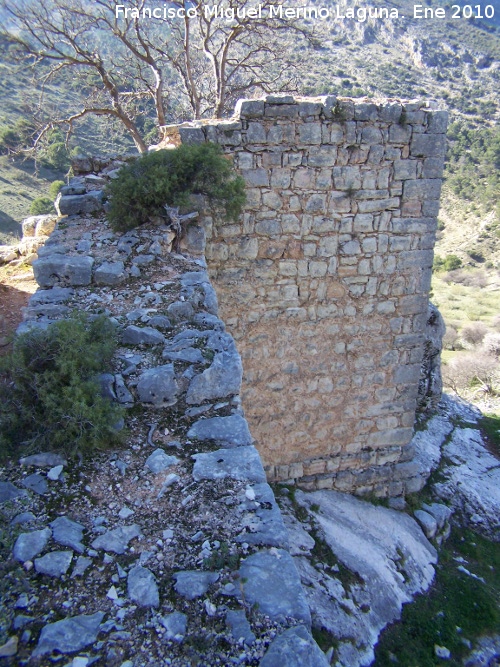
pixel 324 280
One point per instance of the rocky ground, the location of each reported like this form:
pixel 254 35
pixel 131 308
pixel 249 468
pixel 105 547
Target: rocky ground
pixel 153 553
pixel 173 550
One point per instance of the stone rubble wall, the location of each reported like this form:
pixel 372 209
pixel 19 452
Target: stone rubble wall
pixel 174 355
pixel 324 280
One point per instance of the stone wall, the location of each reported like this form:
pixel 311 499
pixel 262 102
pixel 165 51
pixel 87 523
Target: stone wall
pixel 324 280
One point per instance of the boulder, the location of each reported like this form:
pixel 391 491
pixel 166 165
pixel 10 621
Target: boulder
pixel 80 204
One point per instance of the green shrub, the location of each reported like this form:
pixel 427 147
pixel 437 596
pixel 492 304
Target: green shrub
pixel 49 391
pixel 54 188
pixel 169 177
pixel 41 205
pixel 452 262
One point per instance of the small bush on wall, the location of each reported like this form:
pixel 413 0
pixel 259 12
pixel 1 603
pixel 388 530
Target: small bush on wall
pixel 169 177
pixel 49 391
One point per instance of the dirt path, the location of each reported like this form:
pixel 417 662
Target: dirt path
pixel 16 286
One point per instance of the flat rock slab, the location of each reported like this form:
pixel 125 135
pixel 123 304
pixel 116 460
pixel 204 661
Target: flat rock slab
pixel 63 269
pixel 472 480
pixel 69 635
pixel 68 533
pixel 117 540
pixel 158 386
pixel 9 492
pixel 230 431
pixel 54 295
pixel 221 379
pixel 142 335
pixel 192 584
pixel 54 564
pixel 267 527
pixel 43 460
pixel 190 355
pixel 142 588
pixel 29 545
pixel 242 463
pixel 294 648
pixel 392 561
pixel 271 581
pixel 36 483
pixel 428 443
pixel 158 461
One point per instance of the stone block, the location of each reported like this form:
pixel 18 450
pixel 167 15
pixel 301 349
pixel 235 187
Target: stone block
pixel 423 188
pixel 80 204
pixel 399 134
pixel 268 227
pixel 256 177
pixel 437 122
pixel 391 112
pixel 428 145
pixel 325 156
pixel 249 109
pixel 371 135
pixel 192 135
pixel 281 111
pixel 433 167
pixel 110 273
pixel 280 178
pixel 365 111
pixel 310 133
pixel 272 200
pixel 61 270
pixel 256 133
pixel 248 248
pixel 316 204
pixel 405 169
pixel 304 178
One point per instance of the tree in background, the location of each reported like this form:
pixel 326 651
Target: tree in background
pixel 129 69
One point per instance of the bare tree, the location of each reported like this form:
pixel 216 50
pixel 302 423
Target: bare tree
pixel 208 59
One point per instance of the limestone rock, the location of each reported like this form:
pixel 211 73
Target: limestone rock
pixel 243 463
pixel 266 525
pixel 7 254
pixel 110 273
pixel 80 204
pixel 9 649
pixel 29 545
pixel 180 311
pixel 428 523
pixel 192 584
pixel 68 533
pixel 36 483
pixel 69 635
pixel 231 431
pixel 392 561
pixel 54 564
pixel 271 581
pixel 294 648
pixel 158 461
pixel 142 587
pixel 221 379
pixel 63 269
pixel 158 386
pixel 134 335
pixel 240 627
pixel 117 540
pixel 175 625
pixel 9 492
